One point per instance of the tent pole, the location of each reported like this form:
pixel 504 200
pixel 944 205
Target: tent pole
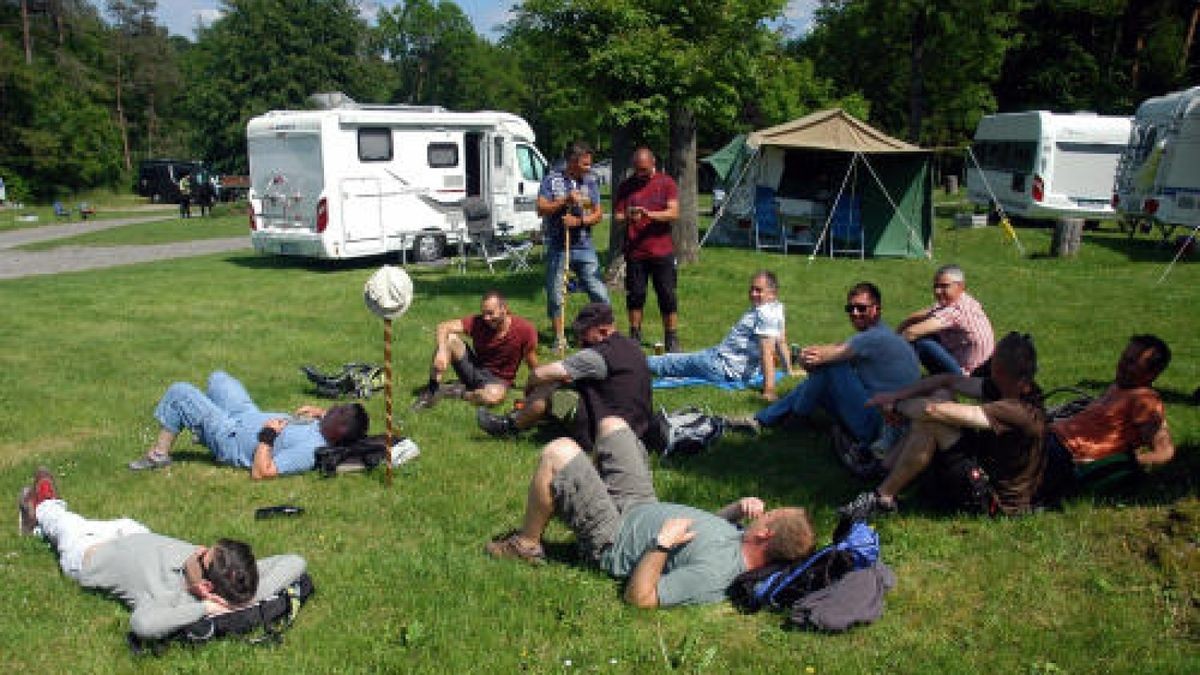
pixel 832 209
pixel 721 211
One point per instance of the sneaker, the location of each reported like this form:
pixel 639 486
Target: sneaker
pixel 150 460
pixel 43 488
pixel 745 424
pixel 403 451
pixel 495 425
pixel 866 506
pixel 511 546
pixel 856 457
pixel 426 399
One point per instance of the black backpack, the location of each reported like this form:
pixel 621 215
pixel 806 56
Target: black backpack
pixel 688 431
pixel 370 452
pixel 273 615
pixel 960 483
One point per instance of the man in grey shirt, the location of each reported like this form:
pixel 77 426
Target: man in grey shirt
pixel 168 583
pixel 670 554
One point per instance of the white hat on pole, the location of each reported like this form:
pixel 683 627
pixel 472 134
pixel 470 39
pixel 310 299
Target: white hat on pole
pixel 389 292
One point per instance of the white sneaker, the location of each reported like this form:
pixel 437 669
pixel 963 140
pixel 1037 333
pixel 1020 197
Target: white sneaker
pixel 403 451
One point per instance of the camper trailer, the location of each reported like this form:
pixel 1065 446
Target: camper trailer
pixel 359 180
pixel 1044 166
pixel 1158 178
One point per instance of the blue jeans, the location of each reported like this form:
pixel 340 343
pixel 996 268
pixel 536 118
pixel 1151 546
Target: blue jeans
pixel 586 265
pixel 705 365
pixel 217 417
pixel 838 390
pixel 935 357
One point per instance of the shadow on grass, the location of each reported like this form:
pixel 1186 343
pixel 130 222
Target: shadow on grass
pixel 1136 249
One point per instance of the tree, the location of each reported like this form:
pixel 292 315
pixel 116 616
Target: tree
pixel 273 54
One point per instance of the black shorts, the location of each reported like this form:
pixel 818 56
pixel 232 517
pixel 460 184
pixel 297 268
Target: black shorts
pixel 659 270
pixel 471 374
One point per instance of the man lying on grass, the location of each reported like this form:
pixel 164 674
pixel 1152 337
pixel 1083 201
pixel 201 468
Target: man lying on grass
pixel 168 583
pixel 670 554
pixel 1004 433
pixel 226 421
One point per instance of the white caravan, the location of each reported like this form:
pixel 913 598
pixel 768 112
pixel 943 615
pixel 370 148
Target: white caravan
pixel 360 180
pixel 1158 178
pixel 1044 166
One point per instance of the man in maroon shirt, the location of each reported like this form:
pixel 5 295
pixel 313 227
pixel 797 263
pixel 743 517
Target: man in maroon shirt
pixel 646 204
pixel 500 340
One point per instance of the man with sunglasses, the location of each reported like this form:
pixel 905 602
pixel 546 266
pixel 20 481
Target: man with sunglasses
pixel 955 335
pixel 842 377
pixel 168 583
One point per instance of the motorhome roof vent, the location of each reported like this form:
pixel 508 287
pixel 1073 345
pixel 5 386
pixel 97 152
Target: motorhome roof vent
pixel 332 100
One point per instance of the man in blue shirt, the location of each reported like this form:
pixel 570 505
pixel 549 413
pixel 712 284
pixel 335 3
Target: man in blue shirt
pixel 569 204
pixel 226 421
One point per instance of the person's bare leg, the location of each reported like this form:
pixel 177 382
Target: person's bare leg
pixel 488 395
pixel 539 503
pixel 635 320
pixel 557 323
pixel 162 446
pixel 671 322
pixel 454 349
pixel 915 452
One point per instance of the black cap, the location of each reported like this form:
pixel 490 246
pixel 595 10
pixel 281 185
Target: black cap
pixel 592 315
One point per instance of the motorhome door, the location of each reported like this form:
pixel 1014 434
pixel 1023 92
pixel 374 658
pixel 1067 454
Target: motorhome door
pixel 362 210
pixel 499 174
pixel 529 169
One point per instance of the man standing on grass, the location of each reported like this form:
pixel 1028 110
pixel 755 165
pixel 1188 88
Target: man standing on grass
pixel 953 336
pixel 748 351
pixel 608 377
pixel 500 340
pixel 841 377
pixel 1004 433
pixel 569 203
pixel 670 554
pixel 168 583
pixel 226 421
pixel 646 204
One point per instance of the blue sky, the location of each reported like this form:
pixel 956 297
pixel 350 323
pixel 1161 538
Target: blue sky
pixel 180 16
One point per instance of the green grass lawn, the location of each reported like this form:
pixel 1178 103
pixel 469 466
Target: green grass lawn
pixel 1108 585
pixel 225 222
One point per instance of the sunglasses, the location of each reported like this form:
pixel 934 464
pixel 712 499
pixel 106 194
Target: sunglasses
pixel 857 309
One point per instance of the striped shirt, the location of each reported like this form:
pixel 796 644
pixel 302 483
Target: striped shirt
pixel 967 333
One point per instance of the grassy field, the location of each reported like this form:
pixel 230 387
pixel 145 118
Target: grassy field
pixel 108 205
pixel 1108 585
pixel 227 221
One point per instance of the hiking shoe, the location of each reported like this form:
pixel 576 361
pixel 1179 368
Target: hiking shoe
pixel 866 506
pixel 495 425
pixel 511 546
pixel 744 424
pixel 426 399
pixel 150 460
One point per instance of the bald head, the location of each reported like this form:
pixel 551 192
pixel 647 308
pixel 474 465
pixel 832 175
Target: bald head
pixel 643 161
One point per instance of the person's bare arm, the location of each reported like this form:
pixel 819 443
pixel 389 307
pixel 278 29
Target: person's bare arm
pixel 921 329
pixel 961 384
pixel 819 355
pixel 767 345
pixel 263 466
pixel 315 412
pixel 642 588
pixel 746 508
pixel 915 317
pixel 531 359
pixel 961 415
pixel 550 373
pixel 592 217
pixel 1162 448
pixel 667 215
pixel 548 207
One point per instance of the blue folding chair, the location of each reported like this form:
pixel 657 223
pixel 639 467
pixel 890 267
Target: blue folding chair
pixel 768 232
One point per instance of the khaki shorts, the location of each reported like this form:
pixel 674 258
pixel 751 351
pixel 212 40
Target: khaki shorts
pixel 592 499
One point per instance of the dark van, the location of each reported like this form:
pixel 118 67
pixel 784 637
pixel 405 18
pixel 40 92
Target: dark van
pixel 158 179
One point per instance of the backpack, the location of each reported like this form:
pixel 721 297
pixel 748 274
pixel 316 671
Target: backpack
pixel 358 380
pixel 855 547
pixel 273 615
pixel 370 452
pixel 688 431
pixel 961 483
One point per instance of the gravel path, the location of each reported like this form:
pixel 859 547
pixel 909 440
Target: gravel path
pixel 15 263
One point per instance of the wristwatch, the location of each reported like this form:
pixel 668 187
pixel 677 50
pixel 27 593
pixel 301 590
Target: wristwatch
pixel 267 435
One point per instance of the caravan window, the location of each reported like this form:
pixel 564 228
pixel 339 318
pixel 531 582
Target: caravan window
pixel 442 155
pixel 1015 156
pixel 374 145
pixel 532 167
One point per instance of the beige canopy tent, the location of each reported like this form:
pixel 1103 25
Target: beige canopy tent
pixel 836 165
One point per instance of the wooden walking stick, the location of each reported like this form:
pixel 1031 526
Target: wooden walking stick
pixel 563 294
pixel 388 294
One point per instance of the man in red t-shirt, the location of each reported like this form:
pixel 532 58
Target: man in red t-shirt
pixel 486 369
pixel 646 204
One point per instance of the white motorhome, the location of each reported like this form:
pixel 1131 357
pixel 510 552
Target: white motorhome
pixel 1158 178
pixel 1044 166
pixel 359 180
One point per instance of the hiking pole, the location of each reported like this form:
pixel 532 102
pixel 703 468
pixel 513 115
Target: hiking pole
pixel 388 294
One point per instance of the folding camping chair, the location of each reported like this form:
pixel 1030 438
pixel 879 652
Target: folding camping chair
pixel 846 228
pixel 768 233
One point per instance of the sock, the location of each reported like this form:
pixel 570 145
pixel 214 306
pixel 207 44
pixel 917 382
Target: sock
pixel 433 385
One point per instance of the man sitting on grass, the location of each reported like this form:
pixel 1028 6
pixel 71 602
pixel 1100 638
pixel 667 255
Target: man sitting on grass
pixel 226 421
pixel 1126 418
pixel 843 376
pixel 670 554
pixel 955 335
pixel 168 583
pixel 1004 433
pixel 608 377
pixel 500 340
pixel 749 350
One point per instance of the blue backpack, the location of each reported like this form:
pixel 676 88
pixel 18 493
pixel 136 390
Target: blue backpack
pixel 780 587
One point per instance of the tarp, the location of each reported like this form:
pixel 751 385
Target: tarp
pixel 808 158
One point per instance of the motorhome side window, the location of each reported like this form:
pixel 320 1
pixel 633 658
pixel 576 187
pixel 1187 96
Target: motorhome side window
pixel 442 155
pixel 531 167
pixel 374 145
